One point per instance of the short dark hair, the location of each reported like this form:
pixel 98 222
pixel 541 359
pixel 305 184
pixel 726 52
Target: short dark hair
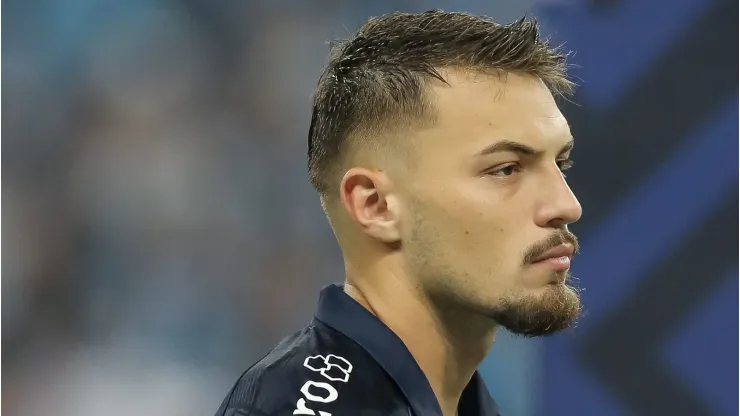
pixel 376 78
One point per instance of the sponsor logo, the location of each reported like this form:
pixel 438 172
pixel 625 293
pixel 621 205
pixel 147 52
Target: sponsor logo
pixel 331 367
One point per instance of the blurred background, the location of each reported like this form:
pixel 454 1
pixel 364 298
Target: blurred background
pixel 159 233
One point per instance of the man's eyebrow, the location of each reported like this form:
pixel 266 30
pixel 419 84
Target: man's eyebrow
pixel 568 147
pixel 520 148
pixel 509 146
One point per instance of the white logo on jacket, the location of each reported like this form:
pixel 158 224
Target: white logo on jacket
pixel 331 367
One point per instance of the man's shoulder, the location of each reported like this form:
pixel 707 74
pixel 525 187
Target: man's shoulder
pixel 312 371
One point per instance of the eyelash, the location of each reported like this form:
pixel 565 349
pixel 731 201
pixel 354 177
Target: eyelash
pixel 563 165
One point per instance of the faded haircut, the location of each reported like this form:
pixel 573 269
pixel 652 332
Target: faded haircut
pixel 375 81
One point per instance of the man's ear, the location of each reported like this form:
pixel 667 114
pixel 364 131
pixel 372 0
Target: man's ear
pixel 366 195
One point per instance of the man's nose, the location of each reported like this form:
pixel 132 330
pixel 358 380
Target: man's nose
pixel 559 207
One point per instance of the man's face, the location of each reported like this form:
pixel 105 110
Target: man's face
pixel 487 198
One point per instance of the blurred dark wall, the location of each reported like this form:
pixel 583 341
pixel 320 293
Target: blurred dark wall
pixel 657 146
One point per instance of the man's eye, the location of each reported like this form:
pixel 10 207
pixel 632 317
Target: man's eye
pixel 504 171
pixel 565 164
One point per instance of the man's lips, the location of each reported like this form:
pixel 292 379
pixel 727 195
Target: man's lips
pixel 557 257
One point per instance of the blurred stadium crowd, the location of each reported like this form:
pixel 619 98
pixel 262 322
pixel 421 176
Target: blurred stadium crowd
pixel 159 234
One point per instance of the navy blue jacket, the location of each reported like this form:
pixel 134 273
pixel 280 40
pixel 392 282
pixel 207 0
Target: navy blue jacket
pixel 344 362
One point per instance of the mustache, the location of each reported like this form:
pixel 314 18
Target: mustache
pixel 554 240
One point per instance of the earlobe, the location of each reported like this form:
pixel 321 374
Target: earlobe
pixel 366 197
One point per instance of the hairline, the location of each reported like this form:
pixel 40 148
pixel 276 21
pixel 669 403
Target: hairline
pixel 379 136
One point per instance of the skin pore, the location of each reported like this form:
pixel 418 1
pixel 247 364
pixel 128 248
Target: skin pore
pixel 445 250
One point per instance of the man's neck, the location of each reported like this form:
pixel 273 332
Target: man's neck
pixel 447 346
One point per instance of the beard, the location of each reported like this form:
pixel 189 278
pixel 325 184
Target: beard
pixel 558 308
pixel 450 287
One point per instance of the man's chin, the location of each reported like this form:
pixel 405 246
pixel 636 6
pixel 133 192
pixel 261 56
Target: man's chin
pixel 556 309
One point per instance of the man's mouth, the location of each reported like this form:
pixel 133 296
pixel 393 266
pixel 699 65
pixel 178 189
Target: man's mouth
pixel 557 258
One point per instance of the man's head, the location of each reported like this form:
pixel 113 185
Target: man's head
pixel 435 138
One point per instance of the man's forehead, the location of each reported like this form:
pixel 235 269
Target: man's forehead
pixel 487 95
pixel 476 109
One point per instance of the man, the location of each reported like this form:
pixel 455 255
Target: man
pixel 437 150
